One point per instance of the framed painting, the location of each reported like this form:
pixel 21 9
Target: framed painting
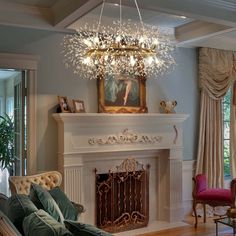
pixel 122 94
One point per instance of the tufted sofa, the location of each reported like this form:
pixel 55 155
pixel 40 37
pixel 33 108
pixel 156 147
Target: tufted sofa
pixel 21 215
pixel 21 184
pixel 47 180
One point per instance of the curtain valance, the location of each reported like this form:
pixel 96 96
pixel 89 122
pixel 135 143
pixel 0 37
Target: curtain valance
pixel 217 70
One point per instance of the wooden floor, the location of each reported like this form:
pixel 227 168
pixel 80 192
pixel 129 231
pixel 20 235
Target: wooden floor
pixel 207 229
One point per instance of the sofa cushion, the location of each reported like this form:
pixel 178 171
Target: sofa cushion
pixel 43 200
pixel 67 208
pixel 81 229
pixel 18 207
pixel 40 223
pixel 6 226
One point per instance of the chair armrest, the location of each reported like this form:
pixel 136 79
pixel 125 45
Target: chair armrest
pixel 79 207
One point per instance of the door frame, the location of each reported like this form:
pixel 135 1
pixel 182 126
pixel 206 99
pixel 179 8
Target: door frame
pixel 30 63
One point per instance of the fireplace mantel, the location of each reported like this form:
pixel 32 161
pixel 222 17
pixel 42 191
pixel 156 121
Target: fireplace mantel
pixel 102 118
pixel 99 140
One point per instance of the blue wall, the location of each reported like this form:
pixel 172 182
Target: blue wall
pixel 54 79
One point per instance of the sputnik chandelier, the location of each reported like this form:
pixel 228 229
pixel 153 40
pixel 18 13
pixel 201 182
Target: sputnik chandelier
pixel 123 48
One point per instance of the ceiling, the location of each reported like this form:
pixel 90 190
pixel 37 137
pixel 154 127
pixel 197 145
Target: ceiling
pixel 208 23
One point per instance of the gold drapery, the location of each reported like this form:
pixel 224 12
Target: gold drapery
pixel 216 75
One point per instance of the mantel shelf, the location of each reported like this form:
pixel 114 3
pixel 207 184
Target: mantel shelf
pixel 171 118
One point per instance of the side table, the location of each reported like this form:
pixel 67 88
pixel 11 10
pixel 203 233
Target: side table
pixel 226 221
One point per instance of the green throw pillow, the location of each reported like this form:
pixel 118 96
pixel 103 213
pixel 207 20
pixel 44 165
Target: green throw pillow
pixel 67 208
pixel 18 207
pixel 43 200
pixel 40 223
pixel 6 226
pixel 80 229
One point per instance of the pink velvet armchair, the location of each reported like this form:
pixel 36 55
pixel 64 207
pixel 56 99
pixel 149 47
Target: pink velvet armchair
pixel 211 196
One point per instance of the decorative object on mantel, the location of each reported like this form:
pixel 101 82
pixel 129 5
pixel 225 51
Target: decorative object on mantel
pixel 122 94
pixel 125 137
pixel 64 104
pixel 168 106
pixel 134 48
pixel 78 106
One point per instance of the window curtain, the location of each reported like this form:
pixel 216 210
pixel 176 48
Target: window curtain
pixel 233 130
pixel 216 75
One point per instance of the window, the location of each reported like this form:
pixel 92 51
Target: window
pixel 10 106
pixel 1 106
pixel 226 133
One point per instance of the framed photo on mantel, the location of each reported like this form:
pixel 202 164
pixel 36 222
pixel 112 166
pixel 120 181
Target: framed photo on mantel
pixel 78 106
pixel 122 94
pixel 64 105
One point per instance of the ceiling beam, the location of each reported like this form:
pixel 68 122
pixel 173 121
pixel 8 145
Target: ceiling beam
pixel 199 10
pixel 20 15
pixel 67 11
pixel 196 30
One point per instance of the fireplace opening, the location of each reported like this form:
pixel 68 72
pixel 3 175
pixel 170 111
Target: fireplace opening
pixel 122 197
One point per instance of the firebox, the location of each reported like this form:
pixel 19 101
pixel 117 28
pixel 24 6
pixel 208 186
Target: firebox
pixel 122 197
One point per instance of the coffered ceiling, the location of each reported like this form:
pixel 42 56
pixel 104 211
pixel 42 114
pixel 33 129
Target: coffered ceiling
pixel 209 23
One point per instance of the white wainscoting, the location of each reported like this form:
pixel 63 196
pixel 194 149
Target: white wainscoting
pixel 188 173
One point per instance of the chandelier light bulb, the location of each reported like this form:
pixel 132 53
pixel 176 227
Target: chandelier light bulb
pixel 118 38
pixel 96 40
pixel 125 47
pixel 155 42
pixel 106 57
pixel 150 60
pixel 132 60
pixel 86 60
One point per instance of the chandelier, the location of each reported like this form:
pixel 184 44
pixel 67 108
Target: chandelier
pixel 123 48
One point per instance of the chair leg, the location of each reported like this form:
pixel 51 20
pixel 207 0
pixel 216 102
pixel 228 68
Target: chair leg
pixel 195 213
pixel 204 210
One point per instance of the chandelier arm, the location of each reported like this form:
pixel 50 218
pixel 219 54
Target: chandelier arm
pixel 140 17
pixel 100 17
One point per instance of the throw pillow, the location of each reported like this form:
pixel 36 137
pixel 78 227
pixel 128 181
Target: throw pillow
pixel 43 200
pixel 6 226
pixel 67 208
pixel 77 228
pixel 40 223
pixel 18 207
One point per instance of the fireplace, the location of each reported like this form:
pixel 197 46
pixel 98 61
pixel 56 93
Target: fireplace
pixel 122 197
pixel 102 141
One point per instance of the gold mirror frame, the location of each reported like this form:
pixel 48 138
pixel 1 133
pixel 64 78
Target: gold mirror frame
pixel 104 108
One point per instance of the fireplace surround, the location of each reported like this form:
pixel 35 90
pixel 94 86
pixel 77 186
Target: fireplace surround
pixel 97 140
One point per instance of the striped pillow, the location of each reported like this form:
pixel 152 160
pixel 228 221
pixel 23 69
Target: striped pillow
pixel 6 227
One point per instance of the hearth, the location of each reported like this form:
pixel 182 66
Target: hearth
pixel 122 197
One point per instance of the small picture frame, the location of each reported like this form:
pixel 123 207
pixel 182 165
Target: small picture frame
pixel 78 106
pixel 64 105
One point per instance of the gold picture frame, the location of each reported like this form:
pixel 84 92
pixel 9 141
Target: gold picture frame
pixel 78 106
pixel 122 94
pixel 64 105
